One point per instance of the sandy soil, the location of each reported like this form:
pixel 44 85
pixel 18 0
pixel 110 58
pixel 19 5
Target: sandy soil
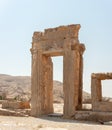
pixel 49 123
pixel 30 123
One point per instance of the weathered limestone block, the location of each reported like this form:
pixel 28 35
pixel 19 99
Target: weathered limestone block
pixel 15 105
pixel 11 104
pixel 93 116
pixel 103 106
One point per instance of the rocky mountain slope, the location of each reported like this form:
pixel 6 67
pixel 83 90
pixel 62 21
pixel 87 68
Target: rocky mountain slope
pixel 19 87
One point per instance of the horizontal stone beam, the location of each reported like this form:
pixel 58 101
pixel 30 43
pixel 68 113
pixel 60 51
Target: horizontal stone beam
pixel 53 53
pixel 102 76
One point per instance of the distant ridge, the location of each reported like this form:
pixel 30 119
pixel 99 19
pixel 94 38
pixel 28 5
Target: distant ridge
pixel 20 86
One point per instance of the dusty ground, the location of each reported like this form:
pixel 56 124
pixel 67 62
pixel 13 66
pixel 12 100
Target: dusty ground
pixel 30 123
pixel 49 123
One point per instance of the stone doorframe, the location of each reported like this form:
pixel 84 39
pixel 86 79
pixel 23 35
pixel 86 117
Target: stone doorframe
pixel 60 41
pixel 96 92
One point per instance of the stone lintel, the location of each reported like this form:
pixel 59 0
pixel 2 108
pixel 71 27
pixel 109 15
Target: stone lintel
pixel 102 76
pixel 53 53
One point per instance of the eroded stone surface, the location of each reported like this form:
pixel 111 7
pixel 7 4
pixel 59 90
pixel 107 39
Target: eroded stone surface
pixel 59 41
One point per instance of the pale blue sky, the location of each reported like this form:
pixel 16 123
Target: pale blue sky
pixel 20 18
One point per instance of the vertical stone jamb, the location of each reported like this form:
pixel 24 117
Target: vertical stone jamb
pixel 50 100
pixel 99 91
pixel 47 101
pixel 36 82
pixel 81 51
pixel 96 94
pixel 71 79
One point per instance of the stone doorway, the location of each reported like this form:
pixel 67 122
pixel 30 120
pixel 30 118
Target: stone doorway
pixel 106 88
pixel 58 94
pixel 96 92
pixel 58 68
pixel 60 41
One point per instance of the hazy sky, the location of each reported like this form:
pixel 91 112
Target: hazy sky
pixel 20 18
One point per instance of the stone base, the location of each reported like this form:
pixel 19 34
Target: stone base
pixel 93 116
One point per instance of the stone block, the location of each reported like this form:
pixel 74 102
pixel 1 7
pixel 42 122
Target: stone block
pixel 15 105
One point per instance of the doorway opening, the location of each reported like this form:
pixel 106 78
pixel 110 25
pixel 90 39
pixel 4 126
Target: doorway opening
pixel 107 90
pixel 58 96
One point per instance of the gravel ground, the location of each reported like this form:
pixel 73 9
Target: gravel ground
pixel 49 123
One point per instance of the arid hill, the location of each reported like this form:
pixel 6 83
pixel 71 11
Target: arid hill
pixel 15 86
pixel 19 87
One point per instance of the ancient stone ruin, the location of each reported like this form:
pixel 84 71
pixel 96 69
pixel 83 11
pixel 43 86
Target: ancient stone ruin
pixel 96 92
pixel 63 41
pixel 60 41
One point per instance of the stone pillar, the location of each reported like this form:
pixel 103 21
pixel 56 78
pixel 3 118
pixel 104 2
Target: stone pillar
pixel 36 79
pixel 47 100
pixel 96 94
pixel 41 84
pixel 80 83
pixel 71 79
pixel 80 93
